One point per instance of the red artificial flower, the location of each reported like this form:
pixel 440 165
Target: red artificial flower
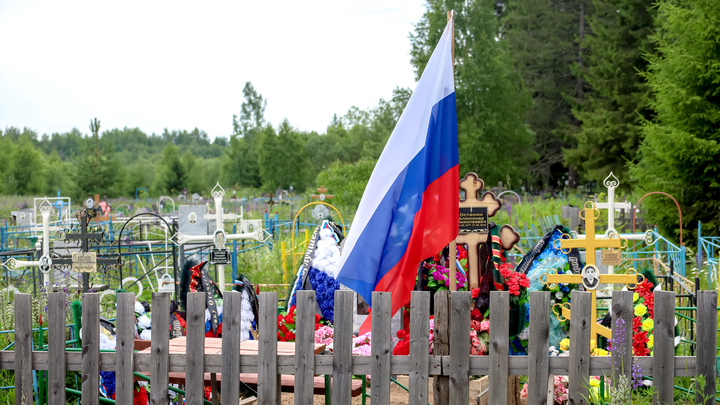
pixel 640 344
pixel 140 397
pixel 475 314
pixel 290 336
pixel 461 252
pixel 280 337
pixel 284 329
pixel 401 334
pixel 290 319
pixel 436 258
pixel 637 323
pixel 474 292
pixel 317 318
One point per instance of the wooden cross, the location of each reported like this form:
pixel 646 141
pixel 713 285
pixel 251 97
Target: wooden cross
pixel 474 227
pixel 591 277
pixel 85 239
pixel 321 194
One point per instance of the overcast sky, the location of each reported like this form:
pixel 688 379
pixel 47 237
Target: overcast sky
pixel 180 65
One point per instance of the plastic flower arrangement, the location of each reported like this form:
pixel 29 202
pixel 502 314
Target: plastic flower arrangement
pixel 643 323
pixel 361 345
pixel 286 325
pixel 438 276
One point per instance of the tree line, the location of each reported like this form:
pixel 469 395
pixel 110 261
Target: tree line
pixel 550 94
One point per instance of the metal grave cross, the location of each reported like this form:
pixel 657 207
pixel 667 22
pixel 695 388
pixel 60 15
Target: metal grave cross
pixel 590 278
pixel 321 194
pixel 45 261
pixel 220 256
pixel 85 261
pixel 474 226
pixel 611 182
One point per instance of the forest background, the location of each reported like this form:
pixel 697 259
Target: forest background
pixel 550 94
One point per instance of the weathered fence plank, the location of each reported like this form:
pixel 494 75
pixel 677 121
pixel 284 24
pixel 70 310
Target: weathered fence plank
pixel 419 343
pixel 342 348
pixel 459 347
pixel 380 348
pixel 268 378
pixel 621 357
pixel 441 345
pixel 580 324
pixel 664 348
pixel 159 343
pixel 304 347
pixel 499 342
pixel 195 352
pixel 125 348
pixel 56 348
pixel 538 344
pixel 23 350
pixel 706 344
pixel 232 307
pixel 90 348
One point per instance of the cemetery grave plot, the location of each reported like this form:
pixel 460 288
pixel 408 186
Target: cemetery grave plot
pixel 151 235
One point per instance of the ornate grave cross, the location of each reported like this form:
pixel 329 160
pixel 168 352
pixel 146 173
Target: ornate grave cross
pixel 611 182
pixel 85 261
pixel 220 256
pixel 45 262
pixel 590 277
pixel 321 194
pixel 474 227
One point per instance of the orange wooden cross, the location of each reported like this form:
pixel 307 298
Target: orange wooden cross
pixel 321 194
pixel 474 226
pixel 590 277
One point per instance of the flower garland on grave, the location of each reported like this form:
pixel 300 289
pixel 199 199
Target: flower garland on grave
pixel 320 268
pixel 643 319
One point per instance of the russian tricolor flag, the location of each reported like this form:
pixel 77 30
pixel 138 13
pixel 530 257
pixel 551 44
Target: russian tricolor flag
pixel 409 210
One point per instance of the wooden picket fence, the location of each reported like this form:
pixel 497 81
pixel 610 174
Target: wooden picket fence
pixel 451 366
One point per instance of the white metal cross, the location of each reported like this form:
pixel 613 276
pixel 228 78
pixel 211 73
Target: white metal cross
pixel 611 182
pixel 45 261
pixel 219 237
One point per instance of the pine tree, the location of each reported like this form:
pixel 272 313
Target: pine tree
pixel 616 102
pixel 541 38
pixel 98 170
pixel 680 154
pixel 491 99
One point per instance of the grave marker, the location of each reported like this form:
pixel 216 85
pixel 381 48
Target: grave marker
pixel 220 255
pixel 92 237
pixel 474 226
pixel 590 277
pixel 321 194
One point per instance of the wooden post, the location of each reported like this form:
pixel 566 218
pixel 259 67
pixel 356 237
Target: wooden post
pixel 706 343
pixel 304 347
pixel 23 350
pixel 459 347
pixel 499 342
pixel 125 349
pixel 159 342
pixel 268 378
pixel 622 308
pixel 231 342
pixel 538 345
pixel 342 348
pixel 579 368
pixel 380 348
pixel 664 348
pixel 90 348
pixel 56 348
pixel 195 348
pixel 441 345
pixel 419 332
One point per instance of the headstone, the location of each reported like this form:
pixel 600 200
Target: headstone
pixel 23 217
pixel 191 219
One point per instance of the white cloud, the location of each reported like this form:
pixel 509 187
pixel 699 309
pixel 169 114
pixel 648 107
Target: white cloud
pixel 175 64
